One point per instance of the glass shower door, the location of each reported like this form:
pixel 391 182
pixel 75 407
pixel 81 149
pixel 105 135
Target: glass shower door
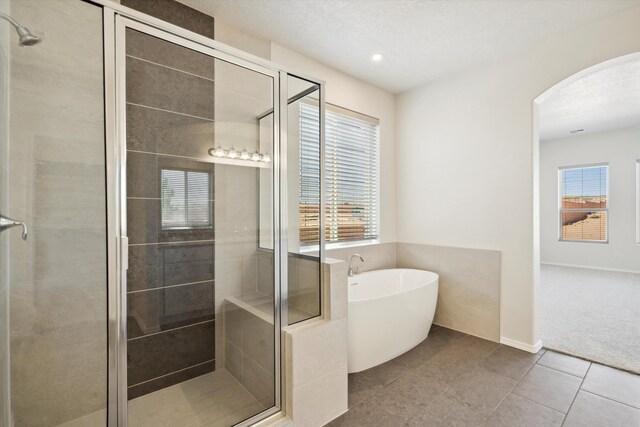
pixel 202 336
pixel 53 292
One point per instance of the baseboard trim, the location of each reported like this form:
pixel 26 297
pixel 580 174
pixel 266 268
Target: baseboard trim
pixel 619 270
pixel 522 346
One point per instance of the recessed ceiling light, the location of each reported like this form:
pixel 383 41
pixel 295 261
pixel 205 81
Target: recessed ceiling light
pixel 576 131
pixel 377 57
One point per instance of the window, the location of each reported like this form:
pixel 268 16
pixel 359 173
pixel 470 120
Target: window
pixel 351 168
pixel 584 203
pixel 185 199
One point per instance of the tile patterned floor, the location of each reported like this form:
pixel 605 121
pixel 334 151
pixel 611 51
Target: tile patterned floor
pixel 215 399
pixel 452 379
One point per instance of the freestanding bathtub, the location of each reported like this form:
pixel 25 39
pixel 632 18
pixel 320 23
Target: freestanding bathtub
pixel 390 312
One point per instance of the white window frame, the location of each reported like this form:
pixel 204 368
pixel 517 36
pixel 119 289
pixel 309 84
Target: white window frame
pixel 187 226
pixel 364 242
pixel 561 210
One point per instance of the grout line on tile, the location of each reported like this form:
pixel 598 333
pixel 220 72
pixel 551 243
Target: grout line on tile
pixel 562 372
pixel 182 242
pixel 171 373
pixel 538 403
pixel 576 395
pixel 169 111
pixel 387 411
pixel 170 68
pixel 576 356
pixel 170 330
pixel 170 286
pixel 516 385
pixel 610 399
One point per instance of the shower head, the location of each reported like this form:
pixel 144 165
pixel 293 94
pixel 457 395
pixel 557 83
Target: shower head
pixel 27 38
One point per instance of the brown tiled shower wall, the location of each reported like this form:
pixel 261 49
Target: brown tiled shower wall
pixel 170 281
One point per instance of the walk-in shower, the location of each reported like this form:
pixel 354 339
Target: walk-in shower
pixel 158 172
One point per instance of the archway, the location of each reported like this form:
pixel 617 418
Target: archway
pixel 594 230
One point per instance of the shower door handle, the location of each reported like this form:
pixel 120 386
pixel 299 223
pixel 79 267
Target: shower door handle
pixel 6 223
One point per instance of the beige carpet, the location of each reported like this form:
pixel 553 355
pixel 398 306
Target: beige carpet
pixel 593 314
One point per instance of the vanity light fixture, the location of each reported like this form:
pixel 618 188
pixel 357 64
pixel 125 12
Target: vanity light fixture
pixel 232 153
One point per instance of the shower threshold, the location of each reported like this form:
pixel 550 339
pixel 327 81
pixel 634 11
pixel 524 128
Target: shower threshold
pixel 215 399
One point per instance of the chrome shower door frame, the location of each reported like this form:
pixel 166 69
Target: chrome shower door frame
pixel 116 19
pixel 121 24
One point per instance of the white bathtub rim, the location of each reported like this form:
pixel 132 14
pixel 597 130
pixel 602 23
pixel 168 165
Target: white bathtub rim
pixel 434 280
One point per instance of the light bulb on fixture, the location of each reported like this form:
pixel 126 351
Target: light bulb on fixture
pixel 255 156
pixel 232 153
pixel 218 152
pixel 377 57
pixel 244 155
pixel 266 158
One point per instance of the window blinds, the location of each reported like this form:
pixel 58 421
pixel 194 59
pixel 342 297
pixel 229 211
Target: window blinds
pixel 351 166
pixel 584 203
pixel 185 199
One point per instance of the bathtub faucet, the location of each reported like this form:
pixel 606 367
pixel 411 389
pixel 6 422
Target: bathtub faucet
pixel 353 272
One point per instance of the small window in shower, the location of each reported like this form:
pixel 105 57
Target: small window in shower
pixel 185 199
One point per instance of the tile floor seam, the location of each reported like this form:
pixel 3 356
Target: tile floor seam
pixel 385 410
pixel 443 392
pixel 609 399
pixel 461 402
pixel 563 372
pixel 431 408
pixel 577 392
pixel 516 385
pixel 599 362
pixel 401 375
pixel 540 403
pixel 576 395
pixel 493 351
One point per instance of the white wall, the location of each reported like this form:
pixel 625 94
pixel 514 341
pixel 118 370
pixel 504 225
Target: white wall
pixel 348 92
pixel 342 90
pixel 620 149
pixel 465 160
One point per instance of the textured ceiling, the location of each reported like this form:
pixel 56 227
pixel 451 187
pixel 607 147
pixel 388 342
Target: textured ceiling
pixel 605 100
pixel 421 40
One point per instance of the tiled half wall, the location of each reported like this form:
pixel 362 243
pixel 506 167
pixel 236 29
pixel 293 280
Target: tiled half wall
pixel 469 289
